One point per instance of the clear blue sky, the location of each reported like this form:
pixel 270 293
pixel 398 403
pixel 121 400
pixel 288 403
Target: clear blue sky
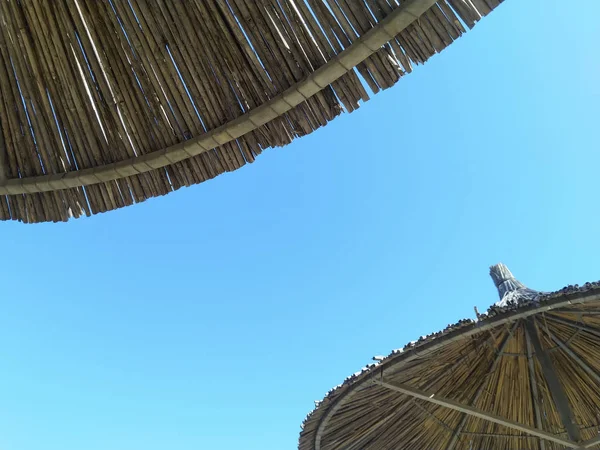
pixel 213 317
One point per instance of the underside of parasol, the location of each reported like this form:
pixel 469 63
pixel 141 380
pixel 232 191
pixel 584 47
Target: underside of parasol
pixel 524 376
pixel 108 103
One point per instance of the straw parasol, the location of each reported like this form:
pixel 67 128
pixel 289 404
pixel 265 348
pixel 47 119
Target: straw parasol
pixel 526 375
pixel 107 103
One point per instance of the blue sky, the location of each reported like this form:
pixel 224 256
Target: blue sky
pixel 213 317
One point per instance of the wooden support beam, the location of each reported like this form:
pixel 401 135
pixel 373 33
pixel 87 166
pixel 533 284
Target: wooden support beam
pixel 499 435
pixel 565 347
pixel 474 412
pixel 572 323
pixel 534 389
pixel 359 443
pixel 589 444
pixel 584 312
pixel 434 417
pixel 561 402
pixel 479 391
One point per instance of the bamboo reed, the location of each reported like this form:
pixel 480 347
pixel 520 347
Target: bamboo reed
pixel 87 85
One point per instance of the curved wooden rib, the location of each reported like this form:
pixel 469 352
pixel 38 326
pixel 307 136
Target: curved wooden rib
pixel 343 63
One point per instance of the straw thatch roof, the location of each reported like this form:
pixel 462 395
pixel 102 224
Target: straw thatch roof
pixel 107 103
pixel 524 376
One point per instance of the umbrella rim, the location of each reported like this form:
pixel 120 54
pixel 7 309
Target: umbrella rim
pixel 344 62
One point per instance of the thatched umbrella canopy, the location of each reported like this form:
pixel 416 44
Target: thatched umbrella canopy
pixel 526 375
pixel 107 103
